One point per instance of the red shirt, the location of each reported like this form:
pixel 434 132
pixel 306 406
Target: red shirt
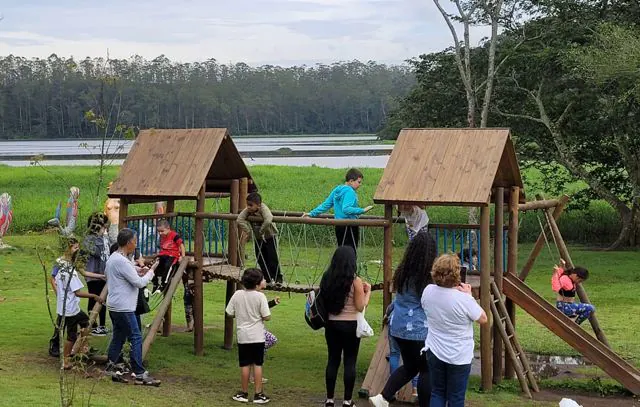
pixel 170 244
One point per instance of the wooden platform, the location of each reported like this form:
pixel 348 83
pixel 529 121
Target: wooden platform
pixel 378 372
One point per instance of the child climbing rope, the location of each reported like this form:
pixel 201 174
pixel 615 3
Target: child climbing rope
pixel 564 282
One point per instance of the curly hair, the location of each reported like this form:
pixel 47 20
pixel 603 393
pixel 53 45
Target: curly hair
pixel 414 271
pixel 251 278
pixel 446 271
pixel 337 280
pixel 96 221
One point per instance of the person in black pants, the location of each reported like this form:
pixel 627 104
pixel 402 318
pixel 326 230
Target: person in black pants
pixel 344 295
pixel 95 247
pixel 344 201
pixel 264 236
pixel 408 326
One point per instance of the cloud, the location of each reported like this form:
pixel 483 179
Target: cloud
pixel 253 31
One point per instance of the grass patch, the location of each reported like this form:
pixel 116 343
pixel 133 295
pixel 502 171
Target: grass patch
pixel 295 367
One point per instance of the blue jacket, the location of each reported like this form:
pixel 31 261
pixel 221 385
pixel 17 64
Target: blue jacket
pixel 344 201
pixel 408 320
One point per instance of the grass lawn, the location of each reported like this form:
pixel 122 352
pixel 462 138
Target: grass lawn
pixel 295 367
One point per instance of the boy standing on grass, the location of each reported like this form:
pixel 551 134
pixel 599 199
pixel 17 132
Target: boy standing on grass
pixel 264 233
pixel 171 253
pixel 344 201
pixel 250 309
pixel 68 285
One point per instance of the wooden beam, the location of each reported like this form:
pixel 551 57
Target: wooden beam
pixel 198 301
pixel 387 262
pixel 486 357
pixel 498 270
pixel 582 294
pixel 93 315
pixel 162 308
pixel 537 248
pixel 539 204
pixel 217 195
pixel 122 214
pixel 300 220
pixel 233 260
pixel 512 262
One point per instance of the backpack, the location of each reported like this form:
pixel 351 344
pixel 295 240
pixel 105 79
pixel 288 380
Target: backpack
pixel 314 311
pixel 555 278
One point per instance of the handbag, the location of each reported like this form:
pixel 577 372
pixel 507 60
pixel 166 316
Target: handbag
pixel 363 330
pixel 142 307
pixel 314 312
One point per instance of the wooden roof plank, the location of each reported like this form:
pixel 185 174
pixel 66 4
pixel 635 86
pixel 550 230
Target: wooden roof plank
pixel 448 167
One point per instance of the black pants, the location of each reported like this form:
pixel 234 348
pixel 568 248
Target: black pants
pixel 348 236
pixel 341 340
pixel 413 362
pixel 267 255
pixel 95 287
pixel 162 272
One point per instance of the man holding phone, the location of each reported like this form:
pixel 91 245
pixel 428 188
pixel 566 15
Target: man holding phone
pixel 123 283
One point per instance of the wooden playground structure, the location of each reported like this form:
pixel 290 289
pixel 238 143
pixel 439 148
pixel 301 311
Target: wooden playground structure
pixel 455 167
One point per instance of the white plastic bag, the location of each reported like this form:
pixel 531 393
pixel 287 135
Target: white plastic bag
pixel 569 403
pixel 364 329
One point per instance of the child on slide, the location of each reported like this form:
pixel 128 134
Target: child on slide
pixel 564 282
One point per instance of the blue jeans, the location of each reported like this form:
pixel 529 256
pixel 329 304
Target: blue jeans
pixel 125 327
pixel 394 359
pixel 448 382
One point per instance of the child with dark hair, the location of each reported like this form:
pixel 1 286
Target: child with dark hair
pixel 250 308
pixel 344 201
pixel 264 233
pixel 564 282
pixel 468 259
pixel 171 252
pixel 95 247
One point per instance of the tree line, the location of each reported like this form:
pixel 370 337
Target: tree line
pixel 48 98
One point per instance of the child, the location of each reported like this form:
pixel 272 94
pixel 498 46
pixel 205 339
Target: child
pixel 187 298
pixel 96 248
pixel 344 201
pixel 264 233
pixel 564 282
pixel 465 262
pixel 67 285
pixel 250 308
pixel 416 219
pixel 171 253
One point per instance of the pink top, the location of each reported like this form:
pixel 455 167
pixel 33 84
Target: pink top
pixel 349 312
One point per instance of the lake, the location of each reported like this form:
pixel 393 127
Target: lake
pixel 332 151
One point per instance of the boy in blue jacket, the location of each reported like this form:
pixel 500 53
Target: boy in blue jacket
pixel 344 201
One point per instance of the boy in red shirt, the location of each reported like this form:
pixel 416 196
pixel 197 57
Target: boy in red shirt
pixel 171 253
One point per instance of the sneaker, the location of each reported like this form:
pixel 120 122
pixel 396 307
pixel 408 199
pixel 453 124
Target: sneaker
pixel 146 379
pixel 98 332
pixel 241 397
pixel 329 403
pixel 378 401
pixel 104 329
pixel 350 403
pixel 115 372
pixel 260 398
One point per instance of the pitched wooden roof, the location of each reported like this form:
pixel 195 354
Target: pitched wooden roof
pixel 174 163
pixel 449 167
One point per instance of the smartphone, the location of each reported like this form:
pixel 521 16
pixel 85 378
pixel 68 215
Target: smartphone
pixel 463 274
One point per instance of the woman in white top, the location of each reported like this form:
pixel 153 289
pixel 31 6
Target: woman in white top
pixel 451 311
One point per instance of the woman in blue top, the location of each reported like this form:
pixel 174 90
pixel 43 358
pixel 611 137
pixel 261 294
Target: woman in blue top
pixel 408 325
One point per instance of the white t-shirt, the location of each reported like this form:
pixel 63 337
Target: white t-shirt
pixel 62 280
pixel 249 307
pixel 416 219
pixel 450 316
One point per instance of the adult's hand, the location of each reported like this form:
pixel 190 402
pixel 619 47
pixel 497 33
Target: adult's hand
pixel 465 288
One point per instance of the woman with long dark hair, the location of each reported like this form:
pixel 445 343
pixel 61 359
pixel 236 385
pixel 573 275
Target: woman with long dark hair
pixel 408 325
pixel 344 295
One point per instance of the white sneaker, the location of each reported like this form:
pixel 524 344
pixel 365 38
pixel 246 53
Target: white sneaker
pixel 378 401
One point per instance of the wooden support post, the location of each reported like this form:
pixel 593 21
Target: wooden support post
pixel 122 214
pixel 498 270
pixel 171 206
pixel 387 259
pixel 233 260
pixel 582 294
pixel 512 263
pixel 486 357
pixel 198 302
pixel 537 248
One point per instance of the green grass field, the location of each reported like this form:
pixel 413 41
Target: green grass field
pixel 295 366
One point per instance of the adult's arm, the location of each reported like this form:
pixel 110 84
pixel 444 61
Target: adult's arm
pixel 129 273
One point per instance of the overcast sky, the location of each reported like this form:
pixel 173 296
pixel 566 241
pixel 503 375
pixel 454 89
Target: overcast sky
pixel 283 32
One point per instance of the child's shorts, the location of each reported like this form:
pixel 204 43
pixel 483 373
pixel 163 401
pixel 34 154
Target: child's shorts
pixel 251 354
pixel 71 325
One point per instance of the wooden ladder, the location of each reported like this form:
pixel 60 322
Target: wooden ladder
pixel 512 346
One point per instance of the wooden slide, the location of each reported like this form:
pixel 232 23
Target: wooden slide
pixel 594 350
